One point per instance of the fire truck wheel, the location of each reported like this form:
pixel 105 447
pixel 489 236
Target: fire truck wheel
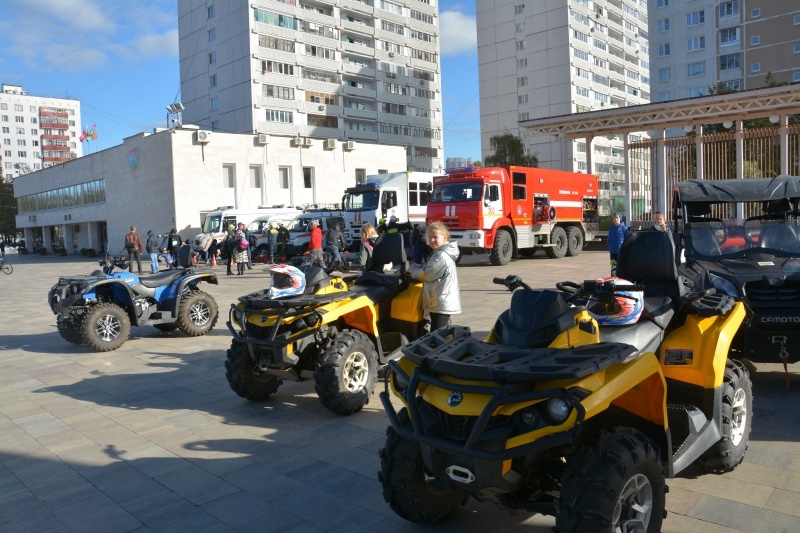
pixel 503 249
pixel 574 241
pixel 559 248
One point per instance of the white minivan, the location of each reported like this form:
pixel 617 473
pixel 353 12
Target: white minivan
pixel 299 235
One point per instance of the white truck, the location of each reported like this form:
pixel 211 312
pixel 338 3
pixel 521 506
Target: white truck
pixel 400 194
pixel 217 222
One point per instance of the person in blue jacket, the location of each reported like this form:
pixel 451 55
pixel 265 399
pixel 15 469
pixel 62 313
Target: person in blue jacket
pixel 616 234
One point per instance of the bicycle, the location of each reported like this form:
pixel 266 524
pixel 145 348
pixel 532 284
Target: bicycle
pixel 5 266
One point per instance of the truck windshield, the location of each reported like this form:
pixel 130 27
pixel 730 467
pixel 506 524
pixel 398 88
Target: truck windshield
pixel 361 201
pixel 212 223
pixel 457 192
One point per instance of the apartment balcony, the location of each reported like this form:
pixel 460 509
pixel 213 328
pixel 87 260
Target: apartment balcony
pixel 360 92
pixel 357 70
pixel 360 114
pixel 359 49
pixel 319 132
pixel 329 65
pixel 317 108
pixel 427 65
pixel 321 86
pixel 270 54
pixel 353 5
pixel 277 127
pixel 319 18
pixel 355 27
pixel 394 98
pixel 267 102
pixel 52 125
pixel 423 122
pixel 394 17
pixel 389 138
pixel 277 31
pixel 46 137
pixel 361 135
pixel 272 78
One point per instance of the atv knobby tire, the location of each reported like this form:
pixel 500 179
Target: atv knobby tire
pixel 737 416
pixel 106 327
pixel 166 326
pixel 574 241
pixel 503 249
pixel 408 489
pixel 70 330
pixel 346 372
pixel 244 377
pixel 558 238
pixel 614 482
pixel 197 314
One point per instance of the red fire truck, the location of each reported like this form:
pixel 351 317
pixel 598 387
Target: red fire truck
pixel 503 210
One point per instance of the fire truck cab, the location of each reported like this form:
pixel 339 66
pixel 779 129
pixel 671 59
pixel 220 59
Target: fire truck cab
pixel 503 211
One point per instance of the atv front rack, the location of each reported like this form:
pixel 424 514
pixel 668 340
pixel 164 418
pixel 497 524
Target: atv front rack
pixel 451 352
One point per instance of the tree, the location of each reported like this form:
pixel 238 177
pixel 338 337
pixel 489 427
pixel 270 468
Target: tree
pixel 477 164
pixel 8 211
pixel 509 150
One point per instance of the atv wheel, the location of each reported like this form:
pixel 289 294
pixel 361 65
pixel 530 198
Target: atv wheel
pixel 560 245
pixel 245 378
pixel 503 249
pixel 574 241
pixel 69 330
pixel 198 313
pixel 171 326
pixel 408 489
pixel 737 416
pixel 106 327
pixel 613 483
pixel 346 373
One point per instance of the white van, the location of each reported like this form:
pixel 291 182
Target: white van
pixel 259 228
pixel 218 221
pixel 299 235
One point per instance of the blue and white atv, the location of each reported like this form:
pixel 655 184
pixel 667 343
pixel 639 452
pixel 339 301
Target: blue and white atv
pixel 99 309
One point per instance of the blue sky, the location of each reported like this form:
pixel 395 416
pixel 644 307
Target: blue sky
pixel 120 59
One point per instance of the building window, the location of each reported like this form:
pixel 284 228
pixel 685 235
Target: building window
pixel 795 77
pixel 212 58
pixel 662 3
pixel 797 48
pixel 522 82
pixel 277 115
pixel 733 85
pixel 520 27
pixel 582 91
pixel 361 175
pixel 697 69
pixel 212 34
pixel 520 45
pixel 522 99
pixel 755 40
pixel 212 81
pixel 664 96
pixel 663 25
pixel 696 43
pixel 665 74
pixel 214 104
pixel 33 120
pixel 308 177
pixel 519 10
pixel 727 9
pixel 728 61
pixel 228 178
pixel 729 36
pixel 522 63
pixel 695 17
pixel 577 52
pixel 755 13
pixel 210 11
pixel 283 177
pixel 797 20
pixel 755 67
pixel 19 107
pixel 255 177
pixel 697 91
pixel 215 125
pixel 663 50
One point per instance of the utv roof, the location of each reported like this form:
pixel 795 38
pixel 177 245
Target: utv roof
pixel 738 190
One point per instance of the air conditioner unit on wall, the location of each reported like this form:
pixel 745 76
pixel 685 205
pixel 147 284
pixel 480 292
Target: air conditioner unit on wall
pixel 391 54
pixel 262 139
pixel 203 136
pixel 297 141
pixel 306 142
pixel 330 144
pixel 349 146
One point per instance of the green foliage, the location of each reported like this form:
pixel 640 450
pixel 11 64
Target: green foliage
pixel 477 164
pixel 509 150
pixel 8 211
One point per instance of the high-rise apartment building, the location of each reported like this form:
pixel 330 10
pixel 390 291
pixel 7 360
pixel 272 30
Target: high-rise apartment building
pixel 362 70
pixel 541 59
pixel 695 45
pixel 37 131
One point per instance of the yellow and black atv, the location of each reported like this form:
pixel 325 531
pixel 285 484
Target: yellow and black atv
pixel 555 414
pixel 338 331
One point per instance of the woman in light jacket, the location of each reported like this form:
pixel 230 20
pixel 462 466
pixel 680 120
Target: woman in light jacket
pixel 441 296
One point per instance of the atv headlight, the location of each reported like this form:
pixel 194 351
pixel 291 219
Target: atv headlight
pixel 557 410
pixel 529 417
pixel 723 285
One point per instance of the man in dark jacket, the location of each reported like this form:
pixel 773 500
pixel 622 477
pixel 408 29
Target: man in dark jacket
pixel 334 243
pixel 173 247
pixel 152 249
pixel 133 245
pixel 283 241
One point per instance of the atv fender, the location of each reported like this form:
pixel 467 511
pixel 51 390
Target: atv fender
pixel 187 283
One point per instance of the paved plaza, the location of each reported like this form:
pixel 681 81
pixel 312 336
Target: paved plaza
pixel 151 438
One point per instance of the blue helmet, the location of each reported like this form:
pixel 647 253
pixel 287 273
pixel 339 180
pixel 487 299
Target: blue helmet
pixel 286 281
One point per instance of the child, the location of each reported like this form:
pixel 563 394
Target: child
pixel 441 296
pixel 240 252
pixel 616 234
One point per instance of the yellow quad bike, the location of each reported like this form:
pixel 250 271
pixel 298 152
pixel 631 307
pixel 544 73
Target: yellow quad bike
pixel 556 414
pixel 337 332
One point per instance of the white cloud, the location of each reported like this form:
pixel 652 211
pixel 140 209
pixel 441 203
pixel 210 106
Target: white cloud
pixel 457 33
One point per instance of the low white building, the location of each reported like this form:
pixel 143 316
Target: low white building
pixel 171 178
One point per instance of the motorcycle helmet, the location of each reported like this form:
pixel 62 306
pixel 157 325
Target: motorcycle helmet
pixel 617 308
pixel 286 281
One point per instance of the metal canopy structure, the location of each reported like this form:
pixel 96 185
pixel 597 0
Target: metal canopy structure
pixel 745 105
pixel 690 114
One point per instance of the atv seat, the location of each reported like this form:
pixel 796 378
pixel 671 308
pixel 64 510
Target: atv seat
pixel 162 278
pixel 388 250
pixel 648 258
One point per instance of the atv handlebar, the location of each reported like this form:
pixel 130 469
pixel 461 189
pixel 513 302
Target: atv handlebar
pixel 511 282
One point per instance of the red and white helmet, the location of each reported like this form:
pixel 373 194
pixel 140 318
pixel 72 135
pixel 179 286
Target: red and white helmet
pixel 623 309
